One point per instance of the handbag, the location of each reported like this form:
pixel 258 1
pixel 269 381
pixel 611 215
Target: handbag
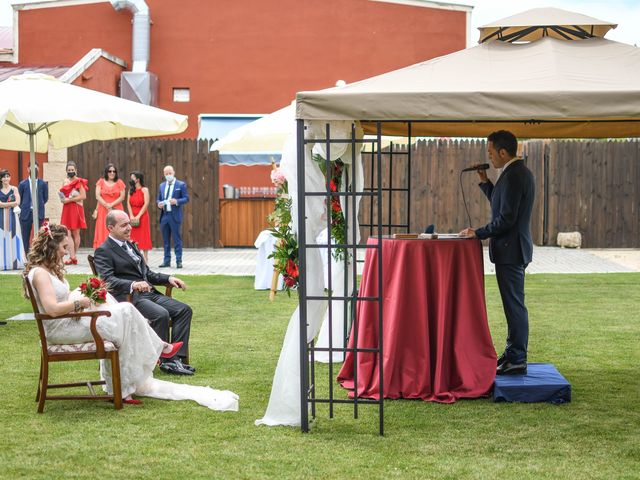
pixel 135 222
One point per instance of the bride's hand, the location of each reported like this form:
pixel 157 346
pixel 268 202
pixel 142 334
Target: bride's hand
pixel 85 302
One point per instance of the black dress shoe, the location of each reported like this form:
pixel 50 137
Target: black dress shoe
pixel 178 361
pixel 174 368
pixel 508 368
pixel 164 264
pixel 179 265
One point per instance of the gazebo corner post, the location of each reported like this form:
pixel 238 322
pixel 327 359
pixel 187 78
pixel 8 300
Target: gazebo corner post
pixel 380 277
pixel 302 284
pixel 34 181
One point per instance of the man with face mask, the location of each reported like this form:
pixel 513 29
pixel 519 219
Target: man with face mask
pixel 26 205
pixel 172 195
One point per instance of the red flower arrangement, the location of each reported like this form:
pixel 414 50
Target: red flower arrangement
pixel 94 289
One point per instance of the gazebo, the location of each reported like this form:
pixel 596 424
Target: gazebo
pixel 545 73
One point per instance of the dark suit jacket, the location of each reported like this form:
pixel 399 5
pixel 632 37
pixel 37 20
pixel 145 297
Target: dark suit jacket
pixel 181 195
pixel 511 204
pixel 119 270
pixel 24 189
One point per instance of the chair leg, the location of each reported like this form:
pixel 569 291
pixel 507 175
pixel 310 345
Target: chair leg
pixel 115 376
pixel 44 383
pixel 39 379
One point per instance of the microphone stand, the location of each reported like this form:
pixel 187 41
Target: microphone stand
pixel 464 199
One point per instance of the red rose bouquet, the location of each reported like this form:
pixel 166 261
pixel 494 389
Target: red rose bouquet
pixel 94 289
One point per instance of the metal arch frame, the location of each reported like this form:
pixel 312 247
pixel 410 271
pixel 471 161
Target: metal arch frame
pixel 308 398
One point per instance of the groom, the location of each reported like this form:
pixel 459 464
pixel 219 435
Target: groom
pixel 122 266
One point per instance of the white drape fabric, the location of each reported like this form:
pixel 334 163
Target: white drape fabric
pixel 284 402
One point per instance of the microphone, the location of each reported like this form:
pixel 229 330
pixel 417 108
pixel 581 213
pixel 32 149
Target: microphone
pixel 481 166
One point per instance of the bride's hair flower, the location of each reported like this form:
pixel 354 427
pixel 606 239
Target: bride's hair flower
pixel 94 289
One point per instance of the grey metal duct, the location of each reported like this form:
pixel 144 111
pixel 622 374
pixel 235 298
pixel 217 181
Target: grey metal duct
pixel 138 85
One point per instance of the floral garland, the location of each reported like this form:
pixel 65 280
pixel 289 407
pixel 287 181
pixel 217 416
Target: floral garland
pixel 285 254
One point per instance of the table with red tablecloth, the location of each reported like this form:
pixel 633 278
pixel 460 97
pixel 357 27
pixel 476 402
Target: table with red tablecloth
pixel 436 340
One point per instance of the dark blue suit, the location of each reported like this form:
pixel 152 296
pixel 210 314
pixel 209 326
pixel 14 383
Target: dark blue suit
pixel 26 210
pixel 511 248
pixel 171 221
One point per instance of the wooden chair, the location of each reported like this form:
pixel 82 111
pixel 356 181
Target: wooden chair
pixel 96 350
pixel 168 292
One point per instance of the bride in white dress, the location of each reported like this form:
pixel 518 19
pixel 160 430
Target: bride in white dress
pixel 139 346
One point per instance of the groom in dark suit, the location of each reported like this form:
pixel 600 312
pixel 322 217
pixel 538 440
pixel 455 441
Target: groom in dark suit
pixel 122 266
pixel 510 243
pixel 26 205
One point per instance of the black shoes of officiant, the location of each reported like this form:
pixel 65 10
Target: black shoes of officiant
pixel 175 366
pixel 506 367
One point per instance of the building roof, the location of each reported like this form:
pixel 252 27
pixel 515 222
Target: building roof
pixel 8 71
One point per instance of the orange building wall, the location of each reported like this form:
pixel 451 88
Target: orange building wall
pixel 249 56
pixel 103 76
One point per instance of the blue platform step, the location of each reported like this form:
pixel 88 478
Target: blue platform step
pixel 542 383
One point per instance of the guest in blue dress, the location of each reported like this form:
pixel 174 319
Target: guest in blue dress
pixel 11 248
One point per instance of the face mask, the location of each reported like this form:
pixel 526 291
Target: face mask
pixel 132 183
pixel 169 178
pixel 71 174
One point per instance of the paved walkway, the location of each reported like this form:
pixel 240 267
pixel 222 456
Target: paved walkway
pixel 237 261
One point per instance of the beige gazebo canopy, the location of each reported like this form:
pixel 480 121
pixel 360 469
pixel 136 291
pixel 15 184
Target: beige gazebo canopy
pixel 544 22
pixel 548 88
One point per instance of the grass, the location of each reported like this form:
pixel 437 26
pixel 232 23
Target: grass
pixel 587 325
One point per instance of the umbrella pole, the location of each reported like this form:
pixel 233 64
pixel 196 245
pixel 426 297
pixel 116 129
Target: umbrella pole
pixel 34 181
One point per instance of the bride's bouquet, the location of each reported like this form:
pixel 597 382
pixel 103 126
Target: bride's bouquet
pixel 94 289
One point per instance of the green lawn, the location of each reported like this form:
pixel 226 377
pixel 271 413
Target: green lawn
pixel 587 325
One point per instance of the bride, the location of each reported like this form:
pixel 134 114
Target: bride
pixel 139 346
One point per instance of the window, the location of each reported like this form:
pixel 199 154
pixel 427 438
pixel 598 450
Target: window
pixel 181 95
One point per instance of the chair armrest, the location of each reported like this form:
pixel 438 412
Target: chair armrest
pixel 92 326
pixel 168 290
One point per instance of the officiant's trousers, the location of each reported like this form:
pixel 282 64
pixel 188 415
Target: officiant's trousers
pixel 159 310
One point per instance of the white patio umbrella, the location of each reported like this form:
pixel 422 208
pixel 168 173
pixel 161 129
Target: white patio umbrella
pixel 38 110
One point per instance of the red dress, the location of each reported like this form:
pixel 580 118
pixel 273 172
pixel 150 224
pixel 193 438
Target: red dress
pixel 109 193
pixel 142 233
pixel 73 212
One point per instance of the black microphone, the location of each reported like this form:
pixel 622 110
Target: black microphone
pixel 481 166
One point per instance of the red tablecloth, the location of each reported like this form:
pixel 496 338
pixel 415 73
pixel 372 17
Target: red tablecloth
pixel 436 340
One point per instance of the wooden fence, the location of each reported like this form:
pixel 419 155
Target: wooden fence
pixel 586 186
pixel 193 164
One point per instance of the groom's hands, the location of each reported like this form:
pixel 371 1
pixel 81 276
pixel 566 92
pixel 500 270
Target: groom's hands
pixel 141 286
pixel 177 283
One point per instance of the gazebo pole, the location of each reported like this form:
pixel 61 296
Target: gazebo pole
pixel 34 180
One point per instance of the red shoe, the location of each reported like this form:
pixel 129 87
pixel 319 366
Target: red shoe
pixel 71 261
pixel 132 401
pixel 175 347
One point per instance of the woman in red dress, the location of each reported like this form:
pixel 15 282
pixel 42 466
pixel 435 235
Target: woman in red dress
pixel 73 192
pixel 110 191
pixel 138 205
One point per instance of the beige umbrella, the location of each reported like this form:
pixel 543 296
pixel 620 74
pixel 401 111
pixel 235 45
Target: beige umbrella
pixel 544 22
pixel 37 111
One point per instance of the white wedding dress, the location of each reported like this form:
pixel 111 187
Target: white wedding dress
pixel 139 350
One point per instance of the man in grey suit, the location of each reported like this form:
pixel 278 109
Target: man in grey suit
pixel 122 266
pixel 510 242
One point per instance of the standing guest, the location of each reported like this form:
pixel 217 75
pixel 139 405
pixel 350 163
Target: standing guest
pixel 510 242
pixel 110 191
pixel 172 195
pixel 73 192
pixel 138 206
pixel 11 248
pixel 26 205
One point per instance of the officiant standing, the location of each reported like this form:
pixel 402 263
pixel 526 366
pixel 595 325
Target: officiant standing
pixel 510 242
pixel 172 196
